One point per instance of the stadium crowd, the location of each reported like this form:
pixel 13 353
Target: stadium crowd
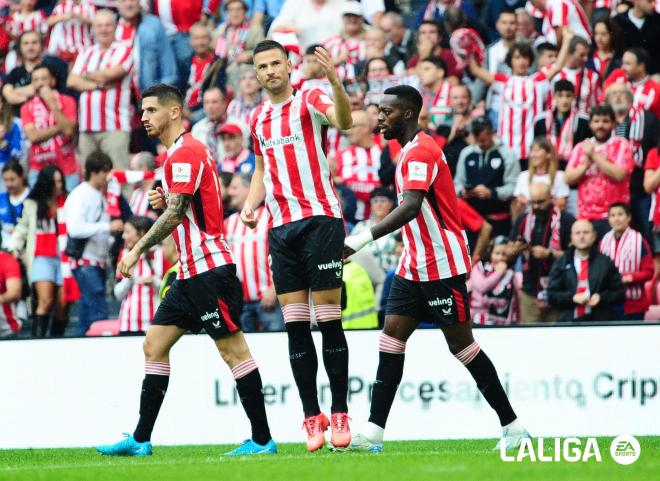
pixel 546 110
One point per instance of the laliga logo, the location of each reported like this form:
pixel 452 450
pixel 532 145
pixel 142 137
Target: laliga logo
pixel 623 449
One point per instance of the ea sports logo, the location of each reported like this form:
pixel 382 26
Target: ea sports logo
pixel 625 449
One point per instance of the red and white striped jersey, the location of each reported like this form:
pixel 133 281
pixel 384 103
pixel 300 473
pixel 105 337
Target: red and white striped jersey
pixel 587 87
pixel 353 49
pixel 17 23
pixel 646 92
pixel 523 101
pixel 139 202
pixel 438 103
pixel 9 321
pixel 125 31
pixel 139 305
pixel 358 169
pixel 250 249
pixel 565 13
pixel 435 244
pixel 198 69
pixel 200 238
pixel 106 109
pixel 73 35
pixel 240 109
pixel 290 137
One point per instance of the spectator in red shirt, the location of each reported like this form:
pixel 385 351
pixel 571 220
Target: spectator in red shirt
pixel 49 121
pixel 10 293
pixel 652 186
pixel 631 254
pixel 601 168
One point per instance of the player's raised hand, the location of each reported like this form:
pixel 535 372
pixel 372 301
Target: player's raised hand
pixel 248 217
pixel 323 58
pixel 157 198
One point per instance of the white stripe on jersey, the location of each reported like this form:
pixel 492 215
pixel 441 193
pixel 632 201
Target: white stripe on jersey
pixel 567 13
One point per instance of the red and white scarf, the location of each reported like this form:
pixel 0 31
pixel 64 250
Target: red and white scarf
pixel 582 287
pixel 561 137
pixel 626 253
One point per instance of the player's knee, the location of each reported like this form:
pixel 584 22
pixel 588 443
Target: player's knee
pixel 152 351
pixel 233 350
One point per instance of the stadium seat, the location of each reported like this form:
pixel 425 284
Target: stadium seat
pixel 650 290
pixel 109 327
pixel 653 314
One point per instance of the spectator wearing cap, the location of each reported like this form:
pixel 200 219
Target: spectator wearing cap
pixel 357 165
pixel 584 284
pixel 493 294
pixel 486 176
pixel 348 46
pixel 152 52
pixel 206 130
pixel 312 20
pixel 640 27
pixel 539 236
pixel 382 201
pixel 237 157
pixel 235 39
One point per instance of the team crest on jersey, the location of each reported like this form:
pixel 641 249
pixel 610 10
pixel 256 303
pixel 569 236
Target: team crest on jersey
pixel 495 163
pixel 180 172
pixel 417 171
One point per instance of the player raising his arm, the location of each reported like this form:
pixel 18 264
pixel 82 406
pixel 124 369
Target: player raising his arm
pixel 207 294
pixel 430 281
pixel 306 234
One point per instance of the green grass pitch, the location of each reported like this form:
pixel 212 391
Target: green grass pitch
pixel 402 461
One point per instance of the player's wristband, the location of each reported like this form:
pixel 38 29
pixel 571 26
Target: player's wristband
pixel 358 241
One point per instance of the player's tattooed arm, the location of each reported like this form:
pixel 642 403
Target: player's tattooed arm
pixel 177 206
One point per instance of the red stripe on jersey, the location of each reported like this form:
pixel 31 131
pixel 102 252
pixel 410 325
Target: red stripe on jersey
pixel 292 169
pixel 310 144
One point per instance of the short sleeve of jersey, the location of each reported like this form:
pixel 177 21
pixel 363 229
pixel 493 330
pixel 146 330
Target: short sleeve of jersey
pixel 185 165
pixel 576 157
pixel 10 268
pixel 27 116
pixel 79 64
pixel 653 160
pixel 418 169
pixel 69 107
pixel 256 145
pixel 319 103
